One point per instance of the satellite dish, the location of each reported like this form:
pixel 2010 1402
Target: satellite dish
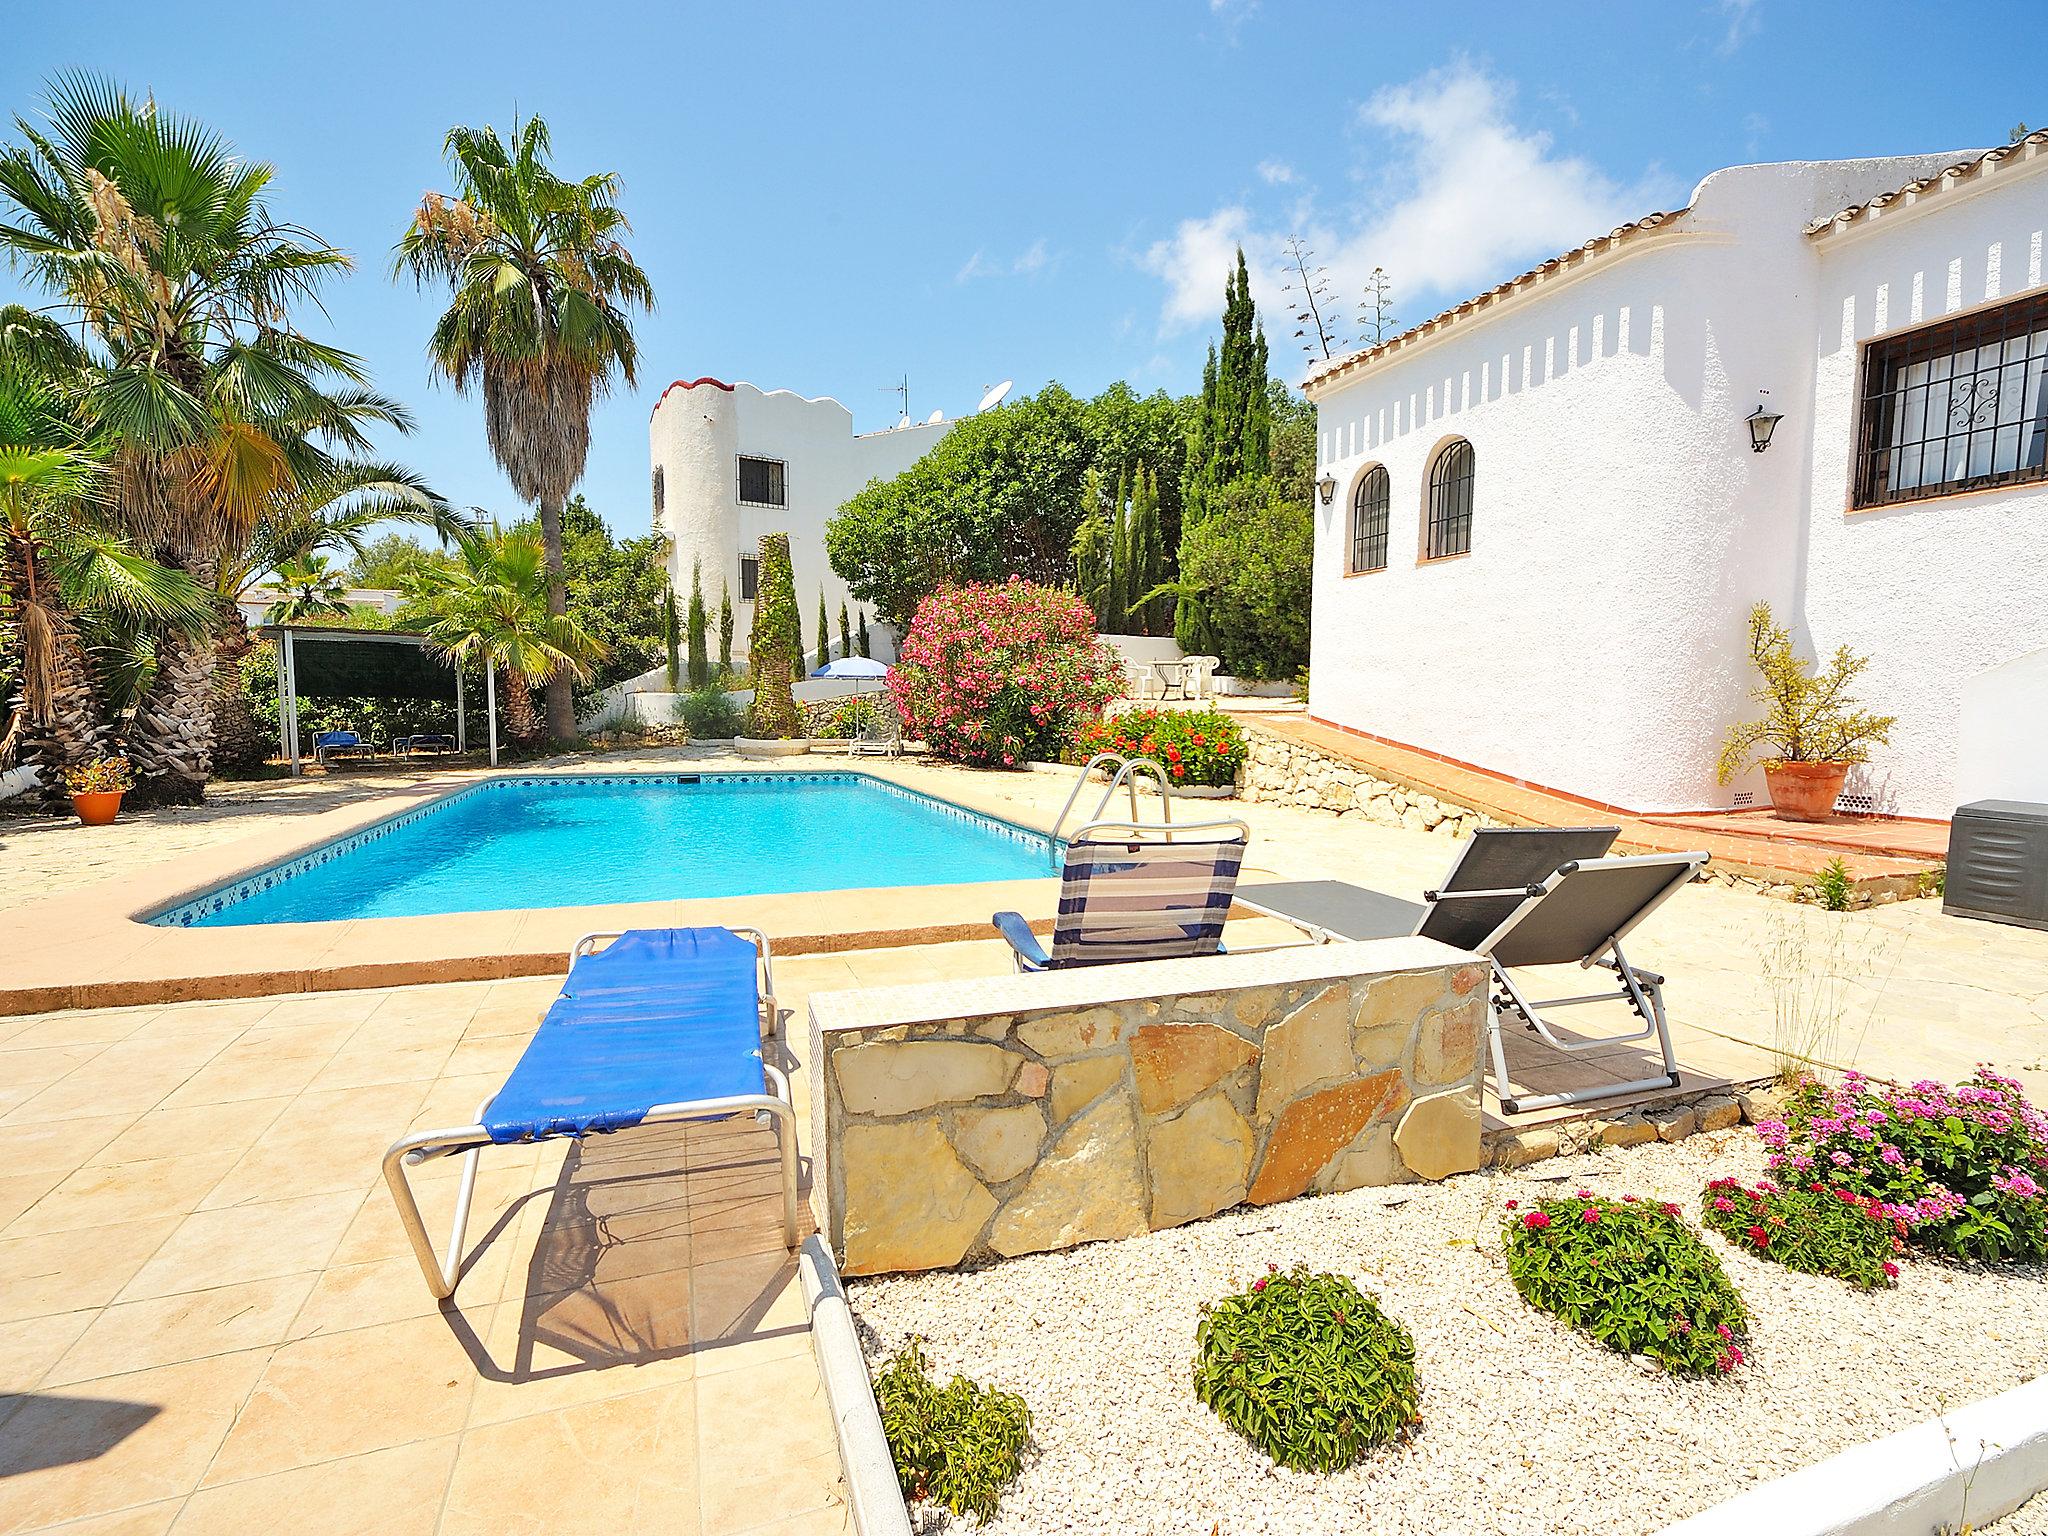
pixel 994 397
pixel 935 418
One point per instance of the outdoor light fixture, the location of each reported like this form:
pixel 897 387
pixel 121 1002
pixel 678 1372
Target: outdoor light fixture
pixel 1328 486
pixel 1762 423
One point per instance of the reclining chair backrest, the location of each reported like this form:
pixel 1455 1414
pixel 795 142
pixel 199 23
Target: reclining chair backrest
pixel 1142 897
pixel 1505 859
pixel 1587 907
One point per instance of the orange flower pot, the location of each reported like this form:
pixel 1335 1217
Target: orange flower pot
pixel 1805 791
pixel 98 810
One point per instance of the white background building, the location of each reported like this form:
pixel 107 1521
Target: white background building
pixel 1563 598
pixel 732 462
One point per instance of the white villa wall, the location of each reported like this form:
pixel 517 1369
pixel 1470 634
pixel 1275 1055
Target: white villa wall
pixel 1941 590
pixel 1593 640
pixel 697 434
pixel 2002 733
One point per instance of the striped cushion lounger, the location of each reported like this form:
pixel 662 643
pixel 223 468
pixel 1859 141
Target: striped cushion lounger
pixel 1131 892
pixel 658 1025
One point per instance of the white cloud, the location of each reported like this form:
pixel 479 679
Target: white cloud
pixel 1742 23
pixel 1275 173
pixel 1029 262
pixel 1461 196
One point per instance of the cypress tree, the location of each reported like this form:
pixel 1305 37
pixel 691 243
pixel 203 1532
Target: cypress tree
pixel 861 634
pixel 1233 438
pixel 1117 604
pixel 725 627
pixel 845 634
pixel 1092 551
pixel 700 661
pixel 669 638
pixel 824 632
pixel 774 651
pixel 1147 553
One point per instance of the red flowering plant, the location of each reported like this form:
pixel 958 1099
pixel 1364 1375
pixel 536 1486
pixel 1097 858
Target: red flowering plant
pixel 1965 1167
pixel 994 676
pixel 1630 1274
pixel 1815 1229
pixel 1194 746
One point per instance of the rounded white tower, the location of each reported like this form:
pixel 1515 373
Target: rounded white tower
pixel 693 442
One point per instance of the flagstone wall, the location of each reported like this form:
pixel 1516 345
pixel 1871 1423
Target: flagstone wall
pixel 960 1121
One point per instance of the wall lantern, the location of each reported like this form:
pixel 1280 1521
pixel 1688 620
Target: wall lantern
pixel 1328 487
pixel 1762 423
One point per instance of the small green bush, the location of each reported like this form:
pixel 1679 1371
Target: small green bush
pixel 1307 1368
pixel 850 716
pixel 1832 887
pixel 956 1445
pixel 1632 1275
pixel 1194 746
pixel 710 713
pixel 1816 1230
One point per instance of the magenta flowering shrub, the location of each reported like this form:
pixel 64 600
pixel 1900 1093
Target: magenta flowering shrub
pixel 1630 1274
pixel 996 675
pixel 1963 1167
pixel 1816 1229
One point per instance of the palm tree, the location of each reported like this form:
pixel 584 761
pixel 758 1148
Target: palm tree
pixel 493 607
pixel 311 589
pixel 159 242
pixel 56 555
pixel 540 288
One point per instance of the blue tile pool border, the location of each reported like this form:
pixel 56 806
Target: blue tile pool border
pixel 216 899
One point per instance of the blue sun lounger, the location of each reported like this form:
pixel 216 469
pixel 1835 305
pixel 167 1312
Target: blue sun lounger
pixel 659 1025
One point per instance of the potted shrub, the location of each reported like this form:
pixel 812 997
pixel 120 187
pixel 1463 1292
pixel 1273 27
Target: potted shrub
pixel 97 787
pixel 774 726
pixel 1812 733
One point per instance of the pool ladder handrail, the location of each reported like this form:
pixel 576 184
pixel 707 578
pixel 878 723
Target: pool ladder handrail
pixel 1127 772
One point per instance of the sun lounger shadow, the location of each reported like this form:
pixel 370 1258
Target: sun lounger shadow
pixel 46 1429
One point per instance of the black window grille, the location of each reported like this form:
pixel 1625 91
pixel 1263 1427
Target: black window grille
pixel 1450 502
pixel 1369 521
pixel 761 482
pixel 660 490
pixel 750 576
pixel 1957 406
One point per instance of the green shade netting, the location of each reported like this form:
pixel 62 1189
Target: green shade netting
pixel 339 667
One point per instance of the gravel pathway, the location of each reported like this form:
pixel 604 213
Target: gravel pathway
pixel 1527 1427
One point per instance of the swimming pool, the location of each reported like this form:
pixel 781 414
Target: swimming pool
pixel 580 840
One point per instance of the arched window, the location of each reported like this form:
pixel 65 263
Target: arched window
pixel 1450 502
pixel 1369 521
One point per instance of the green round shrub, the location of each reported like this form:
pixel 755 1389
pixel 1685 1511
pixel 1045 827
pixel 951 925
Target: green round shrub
pixel 1308 1368
pixel 956 1445
pixel 1816 1230
pixel 1632 1275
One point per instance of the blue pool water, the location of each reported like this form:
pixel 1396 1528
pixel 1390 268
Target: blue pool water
pixel 581 841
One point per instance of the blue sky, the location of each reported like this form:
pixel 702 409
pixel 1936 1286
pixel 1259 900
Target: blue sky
pixel 829 198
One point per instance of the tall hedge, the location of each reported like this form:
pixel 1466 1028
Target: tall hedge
pixel 774 646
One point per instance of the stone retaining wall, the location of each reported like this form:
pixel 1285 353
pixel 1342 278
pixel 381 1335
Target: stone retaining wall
pixel 1288 772
pixel 960 1121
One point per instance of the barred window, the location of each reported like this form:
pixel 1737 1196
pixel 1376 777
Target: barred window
pixel 1957 406
pixel 761 482
pixel 1369 521
pixel 750 576
pixel 660 490
pixel 1450 502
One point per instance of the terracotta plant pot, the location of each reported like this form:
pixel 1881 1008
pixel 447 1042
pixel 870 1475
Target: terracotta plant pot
pixel 1805 791
pixel 98 810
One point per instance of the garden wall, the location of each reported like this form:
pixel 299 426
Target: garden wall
pixel 1287 772
pixel 965 1120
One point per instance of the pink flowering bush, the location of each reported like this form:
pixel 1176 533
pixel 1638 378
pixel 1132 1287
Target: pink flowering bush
pixel 996 675
pixel 1963 1167
pixel 1630 1274
pixel 1815 1229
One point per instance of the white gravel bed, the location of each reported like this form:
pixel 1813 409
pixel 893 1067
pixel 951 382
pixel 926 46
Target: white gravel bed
pixel 1527 1426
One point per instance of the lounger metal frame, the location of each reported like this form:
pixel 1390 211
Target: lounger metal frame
pixel 470 1141
pixel 1642 990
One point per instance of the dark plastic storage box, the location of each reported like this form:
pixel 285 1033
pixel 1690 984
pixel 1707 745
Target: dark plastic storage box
pixel 1998 863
